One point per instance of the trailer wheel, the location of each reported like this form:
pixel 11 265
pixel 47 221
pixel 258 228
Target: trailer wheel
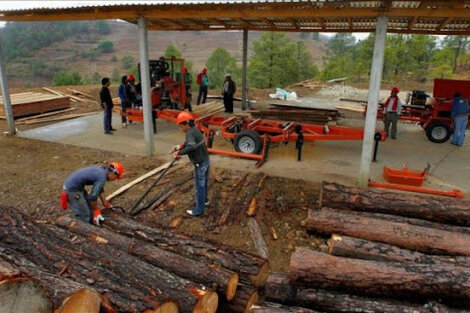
pixel 438 132
pixel 248 141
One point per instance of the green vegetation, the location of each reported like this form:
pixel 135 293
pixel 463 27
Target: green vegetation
pixel 23 38
pixel 106 46
pixel 127 62
pixel 417 57
pixel 220 63
pixel 277 61
pixel 70 78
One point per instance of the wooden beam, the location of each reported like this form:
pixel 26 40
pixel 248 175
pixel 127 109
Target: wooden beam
pixel 293 22
pixel 243 22
pixel 322 24
pixel 350 23
pixel 444 23
pixel 412 22
pixel 268 22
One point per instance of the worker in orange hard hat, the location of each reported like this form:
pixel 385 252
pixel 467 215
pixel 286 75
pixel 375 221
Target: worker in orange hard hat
pixel 195 148
pixel 84 205
pixel 392 108
pixel 202 80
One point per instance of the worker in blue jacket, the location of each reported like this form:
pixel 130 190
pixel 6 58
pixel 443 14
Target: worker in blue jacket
pixel 82 203
pixel 459 114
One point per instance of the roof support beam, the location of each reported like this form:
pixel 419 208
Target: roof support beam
pixel 6 96
pixel 444 23
pixel 412 22
pixel 145 79
pixel 373 100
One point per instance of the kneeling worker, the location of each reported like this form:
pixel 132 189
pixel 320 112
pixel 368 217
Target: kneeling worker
pixel 195 148
pixel 84 205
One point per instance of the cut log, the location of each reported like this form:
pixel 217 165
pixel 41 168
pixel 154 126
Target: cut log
pixel 257 238
pixel 357 248
pixel 401 280
pixel 242 303
pixel 427 240
pixel 270 307
pixel 23 295
pixel 82 301
pixel 250 268
pixel 455 212
pixel 109 269
pixel 278 289
pixel 219 278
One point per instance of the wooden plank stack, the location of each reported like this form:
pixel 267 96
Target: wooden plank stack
pixel 297 114
pixel 388 252
pixel 30 103
pixel 134 268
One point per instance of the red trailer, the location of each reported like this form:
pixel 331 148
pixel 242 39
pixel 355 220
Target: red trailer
pixel 251 137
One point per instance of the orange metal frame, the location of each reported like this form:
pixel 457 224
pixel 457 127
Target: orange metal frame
pixel 451 193
pixel 405 176
pixel 270 131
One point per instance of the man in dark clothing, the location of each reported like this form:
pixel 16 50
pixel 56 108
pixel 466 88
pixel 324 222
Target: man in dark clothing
pixel 459 114
pixel 195 148
pixel 124 101
pixel 228 90
pixel 107 105
pixel 84 205
pixel 131 92
pixel 203 82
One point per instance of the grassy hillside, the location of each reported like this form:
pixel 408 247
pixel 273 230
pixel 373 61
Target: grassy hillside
pixel 76 53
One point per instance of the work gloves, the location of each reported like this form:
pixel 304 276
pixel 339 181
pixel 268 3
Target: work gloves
pixel 176 151
pixel 98 219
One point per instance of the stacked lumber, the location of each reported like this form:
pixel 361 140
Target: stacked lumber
pixel 382 246
pixel 131 267
pixel 286 113
pixel 207 108
pixel 30 103
pixel 311 84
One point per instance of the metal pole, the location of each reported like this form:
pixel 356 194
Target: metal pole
pixel 373 100
pixel 6 95
pixel 145 81
pixel 245 65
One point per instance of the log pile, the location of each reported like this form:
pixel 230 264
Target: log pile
pixel 133 268
pixel 307 115
pixel 388 252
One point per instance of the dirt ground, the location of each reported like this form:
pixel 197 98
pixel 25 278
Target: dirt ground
pixel 33 173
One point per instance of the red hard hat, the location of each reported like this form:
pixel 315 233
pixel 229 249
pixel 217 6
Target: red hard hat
pixel 185 69
pixel 184 117
pixel 204 70
pixel 117 169
pixel 130 77
pixel 396 89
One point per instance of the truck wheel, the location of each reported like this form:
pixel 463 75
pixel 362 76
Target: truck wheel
pixel 248 141
pixel 438 132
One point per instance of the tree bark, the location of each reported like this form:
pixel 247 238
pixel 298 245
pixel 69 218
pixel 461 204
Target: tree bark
pixel 278 289
pixel 242 302
pixel 105 267
pixel 427 240
pixel 357 248
pixel 402 280
pixel 270 307
pixel 455 212
pixel 251 269
pixel 219 278
pixel 257 238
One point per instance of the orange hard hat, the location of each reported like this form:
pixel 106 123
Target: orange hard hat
pixel 395 89
pixel 117 169
pixel 184 117
pixel 130 77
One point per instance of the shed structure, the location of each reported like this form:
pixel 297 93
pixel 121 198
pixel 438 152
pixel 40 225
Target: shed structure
pixel 451 17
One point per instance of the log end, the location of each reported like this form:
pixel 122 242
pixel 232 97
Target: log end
pixel 82 301
pixel 253 298
pixel 334 238
pixel 207 303
pixel 259 280
pixel 166 307
pixel 232 287
pixel 23 295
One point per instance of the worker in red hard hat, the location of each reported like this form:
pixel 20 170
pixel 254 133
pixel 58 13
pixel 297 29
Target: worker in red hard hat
pixel 85 205
pixel 392 108
pixel 188 80
pixel 195 148
pixel 202 80
pixel 131 91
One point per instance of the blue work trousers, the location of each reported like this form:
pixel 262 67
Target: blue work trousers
pixel 201 179
pixel 108 113
pixel 460 126
pixel 80 205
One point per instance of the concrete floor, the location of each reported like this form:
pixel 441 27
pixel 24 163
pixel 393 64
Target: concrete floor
pixel 322 160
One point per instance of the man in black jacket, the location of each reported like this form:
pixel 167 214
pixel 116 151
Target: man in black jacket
pixel 107 104
pixel 195 148
pixel 228 90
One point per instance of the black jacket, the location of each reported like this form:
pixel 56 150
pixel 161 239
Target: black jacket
pixel 105 98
